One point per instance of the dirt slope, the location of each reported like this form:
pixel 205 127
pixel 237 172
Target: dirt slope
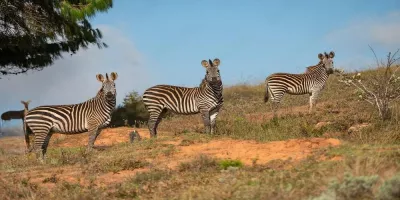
pixel 244 150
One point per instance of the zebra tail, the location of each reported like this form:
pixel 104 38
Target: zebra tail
pixel 266 95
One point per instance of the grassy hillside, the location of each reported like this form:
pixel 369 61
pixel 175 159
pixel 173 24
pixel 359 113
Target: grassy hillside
pixel 342 151
pixel 246 116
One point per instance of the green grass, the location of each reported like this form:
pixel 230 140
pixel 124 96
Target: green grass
pixel 225 164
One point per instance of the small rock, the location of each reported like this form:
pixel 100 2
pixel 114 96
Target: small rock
pixel 134 135
pixel 357 127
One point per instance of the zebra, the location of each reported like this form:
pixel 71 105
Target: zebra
pixel 206 99
pixel 311 82
pixel 90 116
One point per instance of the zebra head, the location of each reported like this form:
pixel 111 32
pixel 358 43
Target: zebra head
pixel 212 73
pixel 327 61
pixel 108 87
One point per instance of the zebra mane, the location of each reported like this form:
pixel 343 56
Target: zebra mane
pixel 314 67
pixel 203 83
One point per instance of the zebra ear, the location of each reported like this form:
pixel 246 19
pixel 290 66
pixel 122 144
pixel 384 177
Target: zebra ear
pixel 321 56
pixel 216 62
pixel 205 63
pixel 114 76
pixel 100 77
pixel 331 54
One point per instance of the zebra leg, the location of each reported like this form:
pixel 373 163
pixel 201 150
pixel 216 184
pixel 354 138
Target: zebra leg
pixel 42 140
pixel 206 120
pixel 213 118
pixel 274 107
pixel 27 145
pixel 92 138
pixel 155 119
pixel 153 124
pixel 27 142
pixel 275 102
pixel 313 100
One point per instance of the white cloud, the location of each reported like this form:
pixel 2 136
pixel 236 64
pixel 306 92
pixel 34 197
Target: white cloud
pixel 73 78
pixel 381 31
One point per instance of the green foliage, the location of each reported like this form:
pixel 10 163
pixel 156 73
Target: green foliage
pixel 134 106
pixel 390 189
pixel 81 9
pixel 132 109
pixel 35 33
pixel 225 164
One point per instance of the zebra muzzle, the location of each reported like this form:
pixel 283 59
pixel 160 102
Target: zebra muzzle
pixel 109 95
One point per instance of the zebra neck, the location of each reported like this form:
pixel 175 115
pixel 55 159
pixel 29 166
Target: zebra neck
pixel 320 71
pixel 108 104
pixel 214 87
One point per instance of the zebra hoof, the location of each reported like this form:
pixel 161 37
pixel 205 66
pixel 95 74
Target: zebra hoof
pixel 41 159
pixel 27 151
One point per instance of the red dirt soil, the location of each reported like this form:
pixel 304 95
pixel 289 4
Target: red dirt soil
pixel 243 150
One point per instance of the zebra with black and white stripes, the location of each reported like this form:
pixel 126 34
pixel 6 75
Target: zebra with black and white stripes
pixel 206 99
pixel 311 82
pixel 90 116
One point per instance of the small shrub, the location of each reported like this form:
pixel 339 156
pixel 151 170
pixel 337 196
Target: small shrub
pixel 123 164
pixel 379 91
pixel 51 179
pixel 351 188
pixel 390 189
pixel 201 163
pixel 308 130
pixel 186 142
pixel 154 175
pixel 224 164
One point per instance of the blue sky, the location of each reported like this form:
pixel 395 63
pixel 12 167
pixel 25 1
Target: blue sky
pixel 163 42
pixel 252 39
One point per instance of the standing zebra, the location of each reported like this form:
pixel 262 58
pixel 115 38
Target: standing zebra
pixel 311 82
pixel 206 99
pixel 90 116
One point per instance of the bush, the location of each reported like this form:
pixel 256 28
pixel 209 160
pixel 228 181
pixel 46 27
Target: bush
pixel 380 90
pixel 201 163
pixel 390 189
pixel 151 176
pixel 225 164
pixel 131 111
pixel 351 188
